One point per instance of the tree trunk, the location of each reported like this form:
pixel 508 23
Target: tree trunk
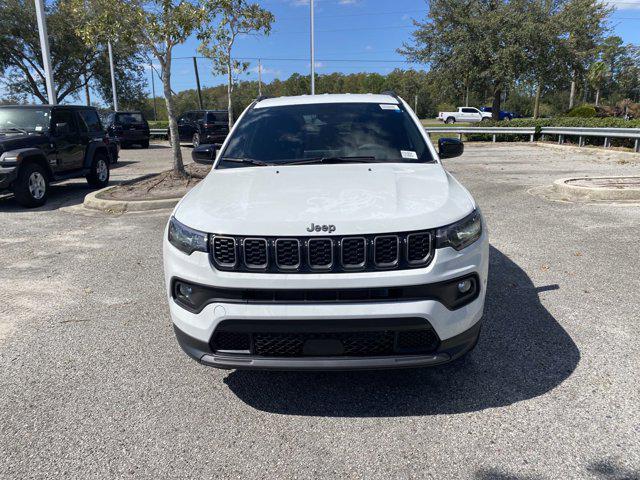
pixel 466 98
pixel 229 89
pixel 536 103
pixel 597 97
pixel 572 94
pixel 86 90
pixel 495 107
pixel 178 165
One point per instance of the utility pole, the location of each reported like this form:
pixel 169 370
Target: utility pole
pixel 44 46
pixel 415 108
pixel 113 78
pixel 313 55
pixel 195 69
pixel 259 77
pixel 153 92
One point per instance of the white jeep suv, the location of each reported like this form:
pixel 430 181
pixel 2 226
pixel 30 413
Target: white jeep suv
pixel 328 235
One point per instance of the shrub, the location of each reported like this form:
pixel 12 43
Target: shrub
pixel 583 111
pixel 158 124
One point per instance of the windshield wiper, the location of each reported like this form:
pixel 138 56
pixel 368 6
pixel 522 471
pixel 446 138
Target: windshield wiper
pixel 313 160
pixel 15 129
pixel 248 161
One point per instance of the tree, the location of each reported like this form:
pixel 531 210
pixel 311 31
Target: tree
pixel 237 17
pixel 483 38
pixel 76 63
pixel 597 76
pixel 158 25
pixel 584 24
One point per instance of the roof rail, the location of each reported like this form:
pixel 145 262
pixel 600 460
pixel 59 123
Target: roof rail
pixel 391 93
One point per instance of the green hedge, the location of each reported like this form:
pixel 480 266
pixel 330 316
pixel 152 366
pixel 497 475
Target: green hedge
pixel 158 124
pixel 610 122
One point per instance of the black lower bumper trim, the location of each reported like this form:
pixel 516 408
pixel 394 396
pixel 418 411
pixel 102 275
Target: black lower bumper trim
pixel 449 350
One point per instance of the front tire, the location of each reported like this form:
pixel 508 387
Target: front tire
pixel 98 176
pixel 195 140
pixel 32 186
pixel 144 144
pixel 450 120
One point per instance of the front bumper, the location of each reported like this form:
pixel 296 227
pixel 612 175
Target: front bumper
pixel 448 351
pixel 457 329
pixel 7 176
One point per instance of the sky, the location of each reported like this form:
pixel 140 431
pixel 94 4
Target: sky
pixel 351 36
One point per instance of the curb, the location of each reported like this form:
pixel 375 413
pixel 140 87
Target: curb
pixel 92 202
pixel 578 192
pixel 588 149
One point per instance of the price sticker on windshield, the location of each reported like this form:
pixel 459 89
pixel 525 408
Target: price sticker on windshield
pixel 388 106
pixel 409 154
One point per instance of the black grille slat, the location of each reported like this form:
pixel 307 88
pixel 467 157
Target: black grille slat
pixel 354 343
pixel 288 253
pixel 386 250
pixel 255 252
pixel 231 341
pixel 335 254
pixel 418 247
pixel 224 251
pixel 320 253
pixel 354 252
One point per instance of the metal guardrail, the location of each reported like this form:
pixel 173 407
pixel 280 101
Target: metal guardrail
pixel 494 131
pixel 561 132
pixel 582 132
pixel 158 132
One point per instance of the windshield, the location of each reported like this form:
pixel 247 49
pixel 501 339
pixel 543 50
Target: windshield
pixel 25 119
pixel 285 134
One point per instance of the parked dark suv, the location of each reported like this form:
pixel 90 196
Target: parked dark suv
pixel 203 126
pixel 128 128
pixel 42 144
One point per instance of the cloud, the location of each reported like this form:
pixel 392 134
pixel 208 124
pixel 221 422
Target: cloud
pixel 266 71
pixel 624 4
pixel 317 64
pixel 348 2
pixel 368 48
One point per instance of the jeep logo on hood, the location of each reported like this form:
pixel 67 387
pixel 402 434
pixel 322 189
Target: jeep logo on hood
pixel 321 228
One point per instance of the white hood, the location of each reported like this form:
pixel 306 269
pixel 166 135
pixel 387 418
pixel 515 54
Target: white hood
pixel 356 198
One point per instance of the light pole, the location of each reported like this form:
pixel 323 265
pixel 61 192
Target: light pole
pixel 313 56
pixel 44 46
pixel 113 78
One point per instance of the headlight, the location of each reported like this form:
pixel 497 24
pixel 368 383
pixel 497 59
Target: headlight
pixel 462 233
pixel 186 239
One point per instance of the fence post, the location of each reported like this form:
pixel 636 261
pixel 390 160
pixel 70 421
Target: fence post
pixel 543 137
pixel 493 138
pixel 581 141
pixel 636 147
pixel 606 142
pixel 460 136
pixel 560 139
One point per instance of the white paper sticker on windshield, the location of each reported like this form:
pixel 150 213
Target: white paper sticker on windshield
pixel 388 106
pixel 409 154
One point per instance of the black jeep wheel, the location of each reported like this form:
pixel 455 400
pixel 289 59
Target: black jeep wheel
pixel 99 174
pixel 32 186
pixel 144 144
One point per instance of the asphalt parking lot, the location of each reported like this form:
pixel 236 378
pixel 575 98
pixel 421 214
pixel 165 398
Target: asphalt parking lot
pixel 94 385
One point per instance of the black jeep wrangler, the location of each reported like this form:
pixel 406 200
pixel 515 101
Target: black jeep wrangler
pixel 42 144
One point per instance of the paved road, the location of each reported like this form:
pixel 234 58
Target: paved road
pixel 93 384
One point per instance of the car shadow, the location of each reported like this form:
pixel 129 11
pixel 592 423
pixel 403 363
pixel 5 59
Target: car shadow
pixel 65 194
pixel 523 353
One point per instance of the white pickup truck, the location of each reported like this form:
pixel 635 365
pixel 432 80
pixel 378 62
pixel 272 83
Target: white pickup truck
pixel 464 114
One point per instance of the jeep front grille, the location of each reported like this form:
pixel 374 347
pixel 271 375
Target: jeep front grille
pixel 335 254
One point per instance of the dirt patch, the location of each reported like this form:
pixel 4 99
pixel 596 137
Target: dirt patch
pixel 159 187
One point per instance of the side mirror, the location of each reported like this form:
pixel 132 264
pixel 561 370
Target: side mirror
pixel 62 129
pixel 450 147
pixel 204 154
